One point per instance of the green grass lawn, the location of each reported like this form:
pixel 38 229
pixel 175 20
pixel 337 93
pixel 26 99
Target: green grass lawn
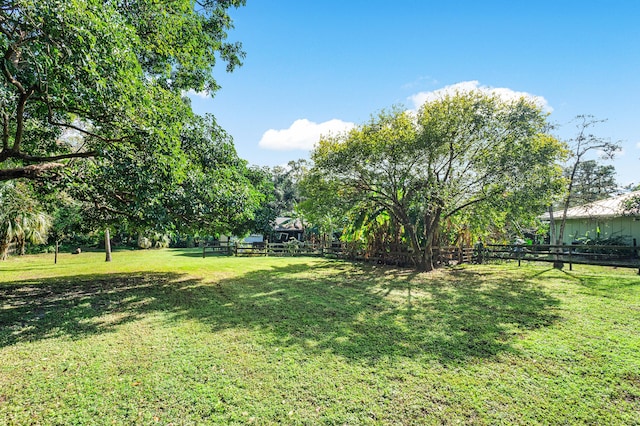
pixel 166 337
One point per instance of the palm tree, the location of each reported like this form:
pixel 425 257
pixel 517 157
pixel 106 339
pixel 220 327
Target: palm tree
pixel 33 228
pixel 21 219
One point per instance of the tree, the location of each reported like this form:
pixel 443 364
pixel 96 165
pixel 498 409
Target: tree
pixel 631 205
pixel 592 182
pixel 286 183
pixel 323 203
pixel 280 189
pixel 22 218
pixel 579 147
pixel 214 192
pixel 464 155
pixel 92 100
pixel 220 193
pixel 88 79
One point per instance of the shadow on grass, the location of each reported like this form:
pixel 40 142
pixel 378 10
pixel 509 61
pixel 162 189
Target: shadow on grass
pixel 607 286
pixel 77 306
pixel 358 312
pixel 197 252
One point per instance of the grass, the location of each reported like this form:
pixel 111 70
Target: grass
pixel 166 337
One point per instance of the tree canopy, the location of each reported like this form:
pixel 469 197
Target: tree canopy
pixel 88 78
pixel 93 104
pixel 469 156
pixel 212 192
pixel 592 182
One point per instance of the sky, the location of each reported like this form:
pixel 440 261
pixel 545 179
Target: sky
pixel 317 67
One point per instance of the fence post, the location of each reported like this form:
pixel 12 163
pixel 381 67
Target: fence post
pixel 203 248
pixel 570 260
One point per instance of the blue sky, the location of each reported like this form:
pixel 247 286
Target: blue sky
pixel 316 66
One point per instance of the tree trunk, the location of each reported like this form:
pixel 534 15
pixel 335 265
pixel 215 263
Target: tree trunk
pixel 4 250
pixel 21 243
pixel 557 263
pixel 107 245
pixel 431 228
pixel 418 253
pixel 426 259
pixel 55 257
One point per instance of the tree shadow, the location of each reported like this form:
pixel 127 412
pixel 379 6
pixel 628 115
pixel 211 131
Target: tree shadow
pixel 359 312
pixel 606 286
pixel 77 306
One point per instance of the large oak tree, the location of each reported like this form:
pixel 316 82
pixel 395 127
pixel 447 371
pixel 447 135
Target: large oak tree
pixel 468 155
pixel 92 99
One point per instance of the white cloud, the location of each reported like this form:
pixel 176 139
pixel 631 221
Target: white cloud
pixel 638 145
pixel 302 134
pixel 469 86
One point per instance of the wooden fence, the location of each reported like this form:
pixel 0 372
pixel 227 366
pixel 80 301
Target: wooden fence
pixel 442 255
pixel 261 249
pixel 620 256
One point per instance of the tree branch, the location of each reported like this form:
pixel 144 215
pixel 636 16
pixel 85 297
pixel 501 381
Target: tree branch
pixel 7 74
pixel 465 205
pixel 51 121
pixel 9 153
pixel 28 172
pixel 114 211
pixel 22 102
pixel 5 131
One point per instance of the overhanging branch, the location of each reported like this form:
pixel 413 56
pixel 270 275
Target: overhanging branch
pixel 33 171
pixel 8 153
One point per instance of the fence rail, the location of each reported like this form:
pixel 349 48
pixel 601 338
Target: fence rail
pixel 621 256
pixel 262 249
pixel 442 255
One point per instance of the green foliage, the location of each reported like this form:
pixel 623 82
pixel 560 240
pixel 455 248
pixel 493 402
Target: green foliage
pixel 469 159
pixel 22 218
pixel 592 182
pixel 211 192
pixel 632 205
pixel 220 194
pixel 286 183
pixel 265 214
pixel 615 240
pixel 91 94
pixel 323 204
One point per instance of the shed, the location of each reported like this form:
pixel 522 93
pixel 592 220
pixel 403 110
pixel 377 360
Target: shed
pixel 287 228
pixel 601 220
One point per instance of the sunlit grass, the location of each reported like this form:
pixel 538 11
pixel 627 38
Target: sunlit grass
pixel 167 337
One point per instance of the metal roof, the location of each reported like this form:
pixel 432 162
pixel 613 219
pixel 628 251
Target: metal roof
pixel 288 224
pixel 607 208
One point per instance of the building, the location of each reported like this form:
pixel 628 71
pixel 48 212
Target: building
pixel 601 220
pixel 287 228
